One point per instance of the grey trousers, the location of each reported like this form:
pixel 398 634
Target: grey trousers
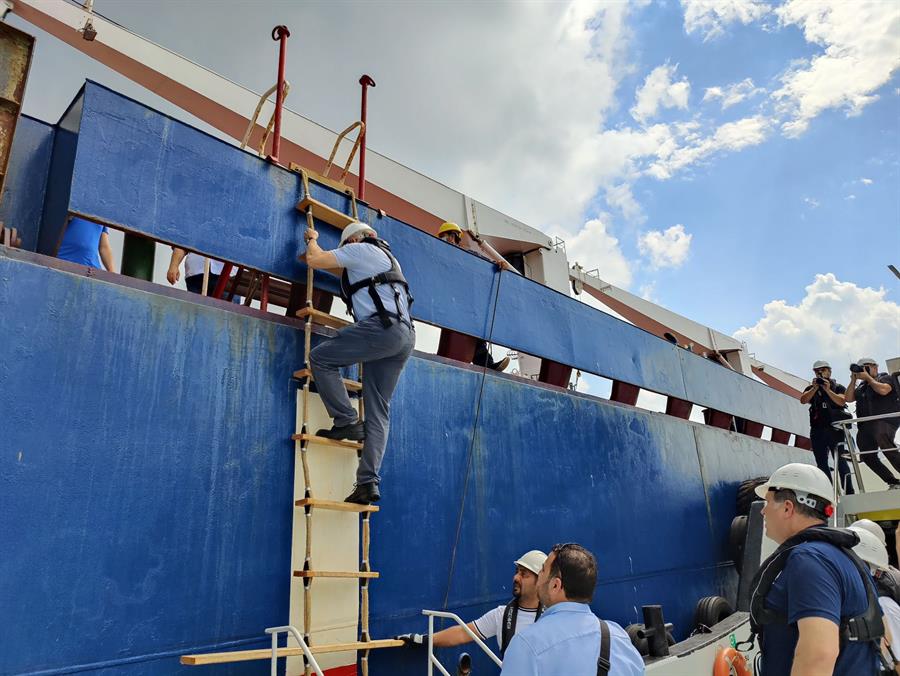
pixel 383 353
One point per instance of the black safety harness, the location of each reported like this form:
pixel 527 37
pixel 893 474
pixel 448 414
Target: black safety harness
pixel 511 613
pixel 867 627
pixel 394 277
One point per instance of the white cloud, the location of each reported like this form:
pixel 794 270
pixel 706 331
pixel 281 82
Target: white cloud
pixel 837 321
pixel 594 247
pixel 711 17
pixel 866 181
pixel 648 292
pixel 659 91
pixel 850 197
pixel 861 50
pixel 811 202
pixel 620 197
pixel 734 93
pixel 732 136
pixel 667 248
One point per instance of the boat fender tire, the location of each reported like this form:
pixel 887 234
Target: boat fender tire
pixel 641 644
pixel 729 662
pixel 711 610
pixel 746 495
pixel 737 537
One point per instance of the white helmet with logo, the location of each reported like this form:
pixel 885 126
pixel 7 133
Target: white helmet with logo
pixel 354 228
pixel 807 481
pixel 872 527
pixel 533 561
pixel 870 549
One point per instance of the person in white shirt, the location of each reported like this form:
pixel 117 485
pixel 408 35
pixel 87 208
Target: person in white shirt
pixel 503 621
pixel 193 270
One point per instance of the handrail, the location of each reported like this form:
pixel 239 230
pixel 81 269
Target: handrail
pixel 274 631
pixel 854 453
pixel 337 143
pixel 268 130
pixel 432 660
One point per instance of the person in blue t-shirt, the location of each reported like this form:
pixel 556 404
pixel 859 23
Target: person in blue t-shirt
pixel 86 243
pixel 818 588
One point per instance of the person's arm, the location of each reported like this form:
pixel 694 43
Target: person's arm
pixel 106 254
pixel 817 647
pixel 453 636
pixel 519 659
pixel 492 253
pixel 850 396
pixel 174 274
pixel 318 259
pixel 878 386
pixel 809 392
pixel 834 396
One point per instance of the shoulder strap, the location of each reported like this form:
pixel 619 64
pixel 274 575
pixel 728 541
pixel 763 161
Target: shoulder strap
pixel 603 663
pixel 508 630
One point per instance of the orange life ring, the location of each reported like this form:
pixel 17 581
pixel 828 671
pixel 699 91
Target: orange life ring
pixel 729 662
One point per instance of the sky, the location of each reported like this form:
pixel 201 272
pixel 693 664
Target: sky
pixel 737 162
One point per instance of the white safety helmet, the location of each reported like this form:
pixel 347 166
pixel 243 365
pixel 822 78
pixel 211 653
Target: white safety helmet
pixel 870 549
pixel 533 561
pixel 821 364
pixel 872 527
pixel 807 481
pixel 354 229
pixel 864 361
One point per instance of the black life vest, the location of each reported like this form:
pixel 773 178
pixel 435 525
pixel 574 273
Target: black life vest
pixel 867 627
pixel 393 277
pixel 869 402
pixel 508 629
pixel 822 409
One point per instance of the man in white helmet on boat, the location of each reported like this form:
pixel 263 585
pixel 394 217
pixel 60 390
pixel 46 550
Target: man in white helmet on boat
pixel 813 602
pixel 382 339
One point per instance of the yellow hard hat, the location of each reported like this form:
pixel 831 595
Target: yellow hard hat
pixel 449 227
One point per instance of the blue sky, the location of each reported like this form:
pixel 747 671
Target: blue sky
pixel 734 160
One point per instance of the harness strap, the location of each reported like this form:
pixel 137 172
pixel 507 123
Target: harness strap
pixel 603 663
pixel 508 630
pixel 393 277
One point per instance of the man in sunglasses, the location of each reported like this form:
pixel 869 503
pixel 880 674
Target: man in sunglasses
pixel 453 234
pixel 569 639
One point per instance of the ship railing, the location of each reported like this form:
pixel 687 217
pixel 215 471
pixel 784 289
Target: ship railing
pixel 432 660
pixel 853 452
pixel 275 631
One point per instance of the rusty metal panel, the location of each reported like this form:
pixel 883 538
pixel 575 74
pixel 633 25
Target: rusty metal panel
pixel 16 48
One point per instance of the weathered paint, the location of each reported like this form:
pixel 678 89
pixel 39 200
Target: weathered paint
pixel 147 172
pixel 26 180
pixel 146 507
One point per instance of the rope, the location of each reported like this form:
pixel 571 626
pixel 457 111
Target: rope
pixel 462 501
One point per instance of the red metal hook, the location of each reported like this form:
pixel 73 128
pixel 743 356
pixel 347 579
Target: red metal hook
pixel 279 34
pixel 366 82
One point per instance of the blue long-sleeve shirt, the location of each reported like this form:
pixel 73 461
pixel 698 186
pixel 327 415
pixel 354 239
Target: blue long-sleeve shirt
pixel 565 641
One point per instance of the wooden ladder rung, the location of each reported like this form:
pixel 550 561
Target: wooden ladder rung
pixel 323 212
pixel 324 441
pixel 266 653
pixel 369 574
pixel 323 318
pixel 335 505
pixel 352 385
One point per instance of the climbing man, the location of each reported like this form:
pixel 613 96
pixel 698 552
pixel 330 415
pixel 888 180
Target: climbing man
pixel 453 234
pixel 569 639
pixel 813 602
pixel 382 338
pixel 503 621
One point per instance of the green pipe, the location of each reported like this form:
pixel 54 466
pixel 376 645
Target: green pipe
pixel 138 254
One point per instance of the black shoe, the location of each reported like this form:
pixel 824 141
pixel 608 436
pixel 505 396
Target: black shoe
pixel 353 432
pixel 364 494
pixel 501 365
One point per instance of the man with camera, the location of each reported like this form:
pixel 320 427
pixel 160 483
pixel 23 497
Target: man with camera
pixel 875 394
pixel 825 397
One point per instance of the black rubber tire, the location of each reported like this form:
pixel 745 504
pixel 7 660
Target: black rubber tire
pixel 639 643
pixel 737 537
pixel 746 495
pixel 711 610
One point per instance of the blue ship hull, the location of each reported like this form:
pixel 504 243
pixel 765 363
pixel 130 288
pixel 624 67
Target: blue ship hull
pixel 146 461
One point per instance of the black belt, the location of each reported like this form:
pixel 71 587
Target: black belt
pixel 393 315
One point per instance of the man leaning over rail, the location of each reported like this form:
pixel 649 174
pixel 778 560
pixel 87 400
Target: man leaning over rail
pixel 378 298
pixel 503 621
pixel 876 394
pixel 569 639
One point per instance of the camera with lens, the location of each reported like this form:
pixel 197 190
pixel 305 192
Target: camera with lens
pixel 820 381
pixel 856 368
